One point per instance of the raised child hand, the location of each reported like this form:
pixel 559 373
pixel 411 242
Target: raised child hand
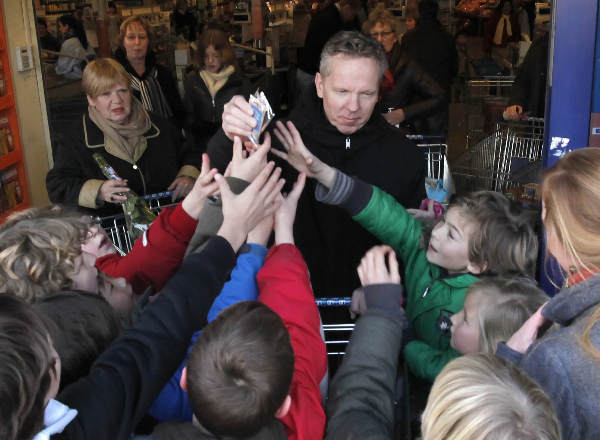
pixel 373 269
pixel 262 231
pixel 203 187
pixel 286 213
pixel 298 156
pixel 242 212
pixel 247 167
pixel 528 332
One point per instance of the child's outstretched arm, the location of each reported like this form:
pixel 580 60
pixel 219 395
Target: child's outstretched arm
pixel 242 170
pixel 361 395
pixel 379 212
pixel 173 404
pixel 157 255
pixel 128 376
pixel 284 286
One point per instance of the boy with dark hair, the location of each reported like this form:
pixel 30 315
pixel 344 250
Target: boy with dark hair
pixel 240 384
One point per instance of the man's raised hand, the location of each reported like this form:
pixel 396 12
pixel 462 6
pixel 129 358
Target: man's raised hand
pixel 238 118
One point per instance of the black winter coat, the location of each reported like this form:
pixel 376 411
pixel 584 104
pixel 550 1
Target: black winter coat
pixel 434 49
pixel 415 91
pixel 74 165
pixel 165 79
pixel 529 88
pixel 204 112
pixel 330 241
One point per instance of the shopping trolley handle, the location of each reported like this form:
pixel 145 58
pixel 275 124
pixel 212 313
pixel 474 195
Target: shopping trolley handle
pixel 160 195
pixel 427 138
pixel 526 118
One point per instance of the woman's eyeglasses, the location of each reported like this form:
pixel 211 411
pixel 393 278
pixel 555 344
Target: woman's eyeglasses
pixel 380 34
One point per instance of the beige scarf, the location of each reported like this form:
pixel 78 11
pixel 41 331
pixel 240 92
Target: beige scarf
pixel 127 140
pixel 214 81
pixel 504 21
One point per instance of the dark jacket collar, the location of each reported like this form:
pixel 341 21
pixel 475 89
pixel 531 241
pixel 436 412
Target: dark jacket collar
pixel 574 301
pixel 397 60
pixel 121 57
pixel 94 137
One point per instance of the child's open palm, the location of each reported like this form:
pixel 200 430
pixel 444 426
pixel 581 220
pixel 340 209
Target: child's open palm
pixel 373 268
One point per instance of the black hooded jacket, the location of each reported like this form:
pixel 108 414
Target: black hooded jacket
pixel 331 242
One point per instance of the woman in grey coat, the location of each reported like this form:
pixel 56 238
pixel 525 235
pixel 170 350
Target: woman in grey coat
pixel 566 362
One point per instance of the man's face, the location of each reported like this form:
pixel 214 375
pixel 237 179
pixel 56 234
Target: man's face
pixel 349 91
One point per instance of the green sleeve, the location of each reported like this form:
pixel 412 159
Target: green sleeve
pixel 425 361
pixel 387 219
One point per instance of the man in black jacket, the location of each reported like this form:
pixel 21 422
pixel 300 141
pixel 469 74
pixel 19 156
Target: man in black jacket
pixel 338 125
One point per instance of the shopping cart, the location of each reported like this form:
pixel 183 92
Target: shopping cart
pixel 499 161
pixel 116 228
pixel 485 98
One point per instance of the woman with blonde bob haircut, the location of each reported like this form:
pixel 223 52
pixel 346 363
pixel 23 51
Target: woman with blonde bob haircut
pixel 144 150
pixel 483 397
pixel 566 362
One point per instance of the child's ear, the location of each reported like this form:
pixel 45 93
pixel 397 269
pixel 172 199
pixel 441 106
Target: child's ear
pixel 476 269
pixel 284 408
pixel 183 380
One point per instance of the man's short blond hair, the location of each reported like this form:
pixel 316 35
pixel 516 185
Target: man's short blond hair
pixel 484 397
pixel 38 251
pixel 102 75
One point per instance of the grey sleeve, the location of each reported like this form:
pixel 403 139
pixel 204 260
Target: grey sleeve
pixel 211 217
pixel 361 395
pixel 348 192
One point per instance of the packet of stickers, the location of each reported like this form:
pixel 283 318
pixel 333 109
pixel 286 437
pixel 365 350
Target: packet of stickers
pixel 263 113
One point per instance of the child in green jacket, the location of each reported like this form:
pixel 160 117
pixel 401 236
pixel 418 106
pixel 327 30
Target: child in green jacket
pixel 481 232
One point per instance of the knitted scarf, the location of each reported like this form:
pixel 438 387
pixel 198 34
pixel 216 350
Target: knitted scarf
pixel 126 136
pixel 215 81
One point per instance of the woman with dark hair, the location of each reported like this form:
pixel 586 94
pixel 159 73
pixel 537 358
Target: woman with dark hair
pixel 75 50
pixel 152 83
pixel 208 88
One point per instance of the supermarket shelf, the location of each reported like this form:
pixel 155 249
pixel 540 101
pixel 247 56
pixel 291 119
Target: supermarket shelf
pixel 10 159
pixel 6 101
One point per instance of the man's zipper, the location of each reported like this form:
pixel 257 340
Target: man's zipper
pixel 347 143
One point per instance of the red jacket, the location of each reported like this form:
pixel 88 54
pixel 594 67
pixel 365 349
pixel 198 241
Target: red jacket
pixel 284 286
pixel 153 261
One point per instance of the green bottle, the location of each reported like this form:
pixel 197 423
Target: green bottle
pixel 138 216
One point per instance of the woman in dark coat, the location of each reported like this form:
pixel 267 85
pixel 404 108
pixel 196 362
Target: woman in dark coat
pixel 152 83
pixel 145 150
pixel 210 87
pixel 408 94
